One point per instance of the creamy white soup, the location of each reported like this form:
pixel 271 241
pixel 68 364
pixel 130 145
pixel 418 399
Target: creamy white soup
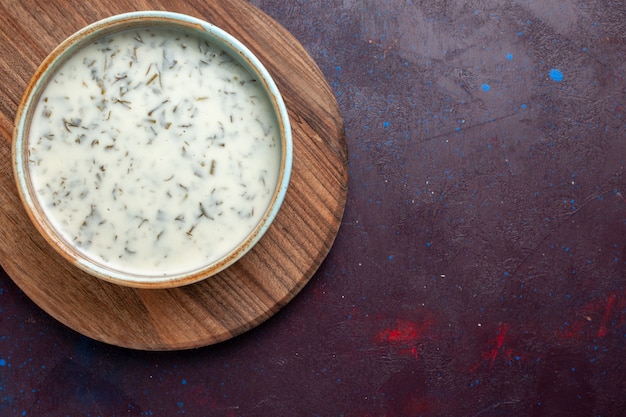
pixel 154 152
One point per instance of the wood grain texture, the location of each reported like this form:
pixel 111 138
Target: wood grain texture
pixel 247 293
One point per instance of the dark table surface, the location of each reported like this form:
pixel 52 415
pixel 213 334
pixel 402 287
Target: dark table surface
pixel 480 269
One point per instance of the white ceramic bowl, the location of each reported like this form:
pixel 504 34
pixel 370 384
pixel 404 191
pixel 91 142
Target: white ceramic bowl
pixel 152 149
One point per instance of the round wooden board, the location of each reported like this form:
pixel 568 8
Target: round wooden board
pixel 247 293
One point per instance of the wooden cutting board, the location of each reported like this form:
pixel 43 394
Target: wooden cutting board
pixel 245 294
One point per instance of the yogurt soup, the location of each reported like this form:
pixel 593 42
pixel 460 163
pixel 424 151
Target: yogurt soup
pixel 154 152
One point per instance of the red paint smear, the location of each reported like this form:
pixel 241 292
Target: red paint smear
pixel 405 332
pixel 406 335
pixel 498 348
pixel 606 317
pixel 500 335
pixel 414 352
pixel 604 314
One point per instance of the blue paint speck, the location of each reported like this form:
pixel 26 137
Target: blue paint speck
pixel 3 362
pixel 391 257
pixel 428 244
pixel 509 57
pixel 524 106
pixel 520 34
pixel 556 75
pixel 486 87
pixel 184 382
pixel 386 124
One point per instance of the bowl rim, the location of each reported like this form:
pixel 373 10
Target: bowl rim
pixel 119 23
